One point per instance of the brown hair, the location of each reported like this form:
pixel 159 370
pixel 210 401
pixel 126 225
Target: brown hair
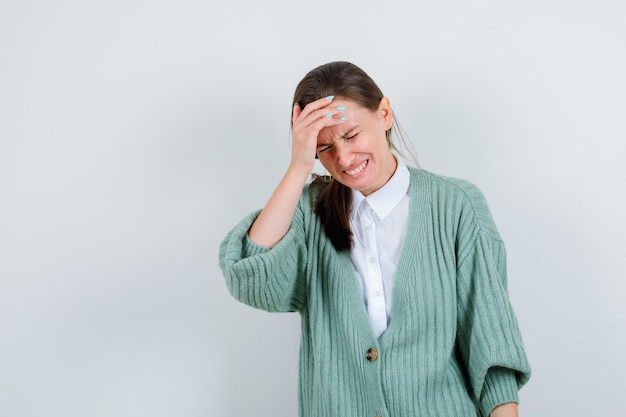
pixel 346 80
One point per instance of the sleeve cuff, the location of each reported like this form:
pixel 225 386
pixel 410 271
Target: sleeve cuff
pixel 500 387
pixel 250 248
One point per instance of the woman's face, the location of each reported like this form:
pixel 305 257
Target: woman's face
pixel 356 152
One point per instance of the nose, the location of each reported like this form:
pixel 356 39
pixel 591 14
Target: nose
pixel 345 156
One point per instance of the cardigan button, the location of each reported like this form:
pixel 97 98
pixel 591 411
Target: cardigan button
pixel 372 354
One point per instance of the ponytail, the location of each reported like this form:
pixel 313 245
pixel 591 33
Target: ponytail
pixel 333 205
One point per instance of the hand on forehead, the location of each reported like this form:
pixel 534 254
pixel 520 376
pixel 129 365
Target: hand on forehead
pixel 351 113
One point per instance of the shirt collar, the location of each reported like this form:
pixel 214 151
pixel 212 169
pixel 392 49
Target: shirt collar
pixel 385 199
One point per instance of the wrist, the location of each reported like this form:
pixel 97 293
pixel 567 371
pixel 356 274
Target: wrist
pixel 298 172
pixel 505 410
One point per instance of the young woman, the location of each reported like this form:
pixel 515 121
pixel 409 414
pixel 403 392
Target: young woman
pixel 399 275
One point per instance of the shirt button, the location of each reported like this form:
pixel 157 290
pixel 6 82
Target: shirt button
pixel 376 293
pixel 372 260
pixel 372 354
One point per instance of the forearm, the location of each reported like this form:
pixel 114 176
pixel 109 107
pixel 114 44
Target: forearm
pixel 505 410
pixel 274 221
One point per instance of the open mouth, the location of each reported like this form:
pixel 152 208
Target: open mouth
pixel 358 169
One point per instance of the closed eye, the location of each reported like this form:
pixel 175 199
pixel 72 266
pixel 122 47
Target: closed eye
pixel 323 148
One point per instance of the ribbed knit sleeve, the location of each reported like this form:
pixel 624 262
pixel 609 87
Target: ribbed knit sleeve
pixel 264 278
pixel 489 338
pixel 500 387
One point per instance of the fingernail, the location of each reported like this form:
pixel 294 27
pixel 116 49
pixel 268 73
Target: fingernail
pixel 340 108
pixel 344 118
pixel 330 98
pixel 329 115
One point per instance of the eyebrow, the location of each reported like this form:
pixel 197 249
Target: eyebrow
pixel 344 136
pixel 349 132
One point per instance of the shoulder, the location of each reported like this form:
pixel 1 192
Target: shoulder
pixel 460 187
pixel 309 196
pixel 458 197
pixel 306 205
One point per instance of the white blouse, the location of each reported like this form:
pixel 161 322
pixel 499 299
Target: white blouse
pixel 378 223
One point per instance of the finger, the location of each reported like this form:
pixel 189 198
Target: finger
pixel 316 105
pixel 324 117
pixel 329 120
pixel 296 112
pixel 326 112
pixel 315 112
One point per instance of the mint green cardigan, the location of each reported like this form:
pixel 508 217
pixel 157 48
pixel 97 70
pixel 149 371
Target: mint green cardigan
pixel 452 348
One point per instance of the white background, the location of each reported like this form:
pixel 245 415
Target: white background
pixel 135 134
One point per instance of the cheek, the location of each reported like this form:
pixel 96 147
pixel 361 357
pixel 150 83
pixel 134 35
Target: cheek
pixel 323 158
pixel 327 164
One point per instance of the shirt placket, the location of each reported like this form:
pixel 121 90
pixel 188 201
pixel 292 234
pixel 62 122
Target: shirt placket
pixel 375 291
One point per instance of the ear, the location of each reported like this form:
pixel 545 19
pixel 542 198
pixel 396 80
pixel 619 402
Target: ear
pixel 384 110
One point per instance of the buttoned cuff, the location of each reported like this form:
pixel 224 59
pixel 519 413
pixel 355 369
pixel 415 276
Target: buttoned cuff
pixel 500 387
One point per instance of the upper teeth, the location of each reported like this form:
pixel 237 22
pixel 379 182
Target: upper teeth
pixel 357 169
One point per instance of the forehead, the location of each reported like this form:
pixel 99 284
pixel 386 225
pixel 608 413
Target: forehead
pixel 352 107
pixel 357 117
